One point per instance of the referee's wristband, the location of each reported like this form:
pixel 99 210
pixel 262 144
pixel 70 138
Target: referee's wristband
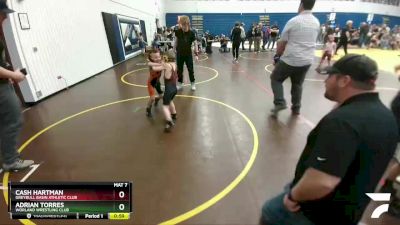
pixel 290 197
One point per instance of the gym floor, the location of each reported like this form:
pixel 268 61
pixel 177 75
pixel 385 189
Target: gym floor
pixel 223 159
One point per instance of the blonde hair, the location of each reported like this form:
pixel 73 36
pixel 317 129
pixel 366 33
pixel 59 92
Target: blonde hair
pixel 169 56
pixel 184 20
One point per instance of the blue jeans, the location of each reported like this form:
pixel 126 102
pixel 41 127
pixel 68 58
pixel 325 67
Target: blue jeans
pixel 362 40
pixel 271 40
pixel 265 41
pixel 274 212
pixel 10 123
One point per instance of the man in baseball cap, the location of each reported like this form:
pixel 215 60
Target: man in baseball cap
pixel 350 73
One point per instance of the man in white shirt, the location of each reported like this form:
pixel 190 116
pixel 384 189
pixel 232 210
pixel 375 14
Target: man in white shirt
pixel 295 49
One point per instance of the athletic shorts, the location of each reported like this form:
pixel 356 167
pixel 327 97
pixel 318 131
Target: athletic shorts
pixel 169 94
pixel 153 86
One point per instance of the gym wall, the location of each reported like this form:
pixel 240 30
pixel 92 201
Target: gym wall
pixel 65 38
pixel 222 23
pixel 276 6
pixel 220 16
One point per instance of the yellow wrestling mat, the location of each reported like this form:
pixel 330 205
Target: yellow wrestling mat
pixel 386 59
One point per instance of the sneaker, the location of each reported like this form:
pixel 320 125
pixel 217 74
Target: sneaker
pixel 156 101
pixel 19 164
pixel 236 61
pixel 168 126
pixel 193 86
pixel 278 108
pixel 323 72
pixel 179 86
pixel 148 112
pixel 233 61
pixel 173 116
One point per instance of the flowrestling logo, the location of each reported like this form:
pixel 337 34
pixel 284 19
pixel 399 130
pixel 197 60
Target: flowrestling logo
pixel 379 197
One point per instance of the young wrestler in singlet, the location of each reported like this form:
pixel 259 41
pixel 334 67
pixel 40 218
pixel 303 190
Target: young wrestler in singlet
pixel 329 50
pixel 169 71
pixel 153 83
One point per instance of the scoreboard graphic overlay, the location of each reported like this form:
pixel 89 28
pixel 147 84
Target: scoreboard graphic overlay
pixel 70 200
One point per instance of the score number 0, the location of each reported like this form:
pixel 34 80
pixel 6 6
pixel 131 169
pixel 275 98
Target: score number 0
pixel 121 195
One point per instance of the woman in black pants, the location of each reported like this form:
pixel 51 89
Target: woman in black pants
pixel 236 40
pixel 345 37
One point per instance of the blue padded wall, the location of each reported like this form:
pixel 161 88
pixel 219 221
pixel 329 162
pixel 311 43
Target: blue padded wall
pixel 222 23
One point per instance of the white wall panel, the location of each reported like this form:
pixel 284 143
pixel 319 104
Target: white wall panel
pixel 66 38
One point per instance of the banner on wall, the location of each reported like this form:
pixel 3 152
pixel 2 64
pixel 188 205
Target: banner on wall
pixel 130 29
pixel 332 16
pixel 385 20
pixel 370 17
pixel 123 35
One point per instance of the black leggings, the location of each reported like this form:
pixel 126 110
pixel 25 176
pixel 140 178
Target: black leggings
pixel 340 44
pixel 156 84
pixel 235 49
pixel 180 60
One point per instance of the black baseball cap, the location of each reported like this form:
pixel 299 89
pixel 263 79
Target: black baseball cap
pixel 4 8
pixel 358 67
